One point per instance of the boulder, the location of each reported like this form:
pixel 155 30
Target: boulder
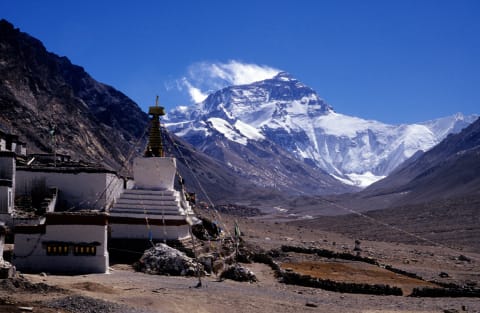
pixel 238 273
pixel 164 260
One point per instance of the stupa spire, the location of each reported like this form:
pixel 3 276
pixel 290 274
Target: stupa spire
pixel 155 145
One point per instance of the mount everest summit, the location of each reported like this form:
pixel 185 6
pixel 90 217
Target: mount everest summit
pixel 285 115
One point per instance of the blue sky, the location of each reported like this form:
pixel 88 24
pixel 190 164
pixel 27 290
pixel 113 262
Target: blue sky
pixel 393 61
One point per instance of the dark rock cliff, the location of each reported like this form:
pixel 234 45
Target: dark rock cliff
pixel 41 92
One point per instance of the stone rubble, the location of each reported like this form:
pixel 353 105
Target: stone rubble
pixel 238 273
pixel 164 260
pixel 83 304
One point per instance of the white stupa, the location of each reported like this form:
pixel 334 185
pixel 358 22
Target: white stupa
pixel 153 209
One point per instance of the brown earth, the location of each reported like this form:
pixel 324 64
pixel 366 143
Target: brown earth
pixel 148 293
pixel 124 290
pixel 356 272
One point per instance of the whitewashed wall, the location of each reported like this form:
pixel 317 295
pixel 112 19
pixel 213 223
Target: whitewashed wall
pixel 76 190
pixel 7 165
pixel 114 189
pixel 154 173
pixel 139 231
pixel 30 254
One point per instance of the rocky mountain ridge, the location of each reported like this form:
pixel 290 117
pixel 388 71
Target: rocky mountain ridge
pixel 283 112
pixel 229 135
pixel 52 104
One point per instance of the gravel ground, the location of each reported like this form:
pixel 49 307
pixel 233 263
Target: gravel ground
pixel 124 290
pixel 150 293
pixel 83 304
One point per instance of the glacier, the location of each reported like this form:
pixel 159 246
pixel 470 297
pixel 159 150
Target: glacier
pixel 287 113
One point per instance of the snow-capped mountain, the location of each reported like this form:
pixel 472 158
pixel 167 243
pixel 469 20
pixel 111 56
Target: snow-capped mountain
pixel 283 112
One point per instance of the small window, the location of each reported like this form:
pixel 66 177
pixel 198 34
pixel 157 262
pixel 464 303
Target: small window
pixel 84 250
pixel 57 249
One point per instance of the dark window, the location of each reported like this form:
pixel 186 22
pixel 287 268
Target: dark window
pixel 84 250
pixel 65 248
pixel 57 249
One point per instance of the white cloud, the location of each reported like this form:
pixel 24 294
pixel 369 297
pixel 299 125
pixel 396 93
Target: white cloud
pixel 196 95
pixel 237 73
pixel 204 78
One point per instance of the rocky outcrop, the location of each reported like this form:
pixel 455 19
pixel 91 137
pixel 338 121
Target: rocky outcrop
pixel 238 273
pixel 164 260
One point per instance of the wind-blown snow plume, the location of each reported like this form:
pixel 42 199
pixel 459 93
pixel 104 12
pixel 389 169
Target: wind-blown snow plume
pixel 205 77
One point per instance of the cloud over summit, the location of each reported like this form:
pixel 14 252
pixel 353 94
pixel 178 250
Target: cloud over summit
pixel 204 78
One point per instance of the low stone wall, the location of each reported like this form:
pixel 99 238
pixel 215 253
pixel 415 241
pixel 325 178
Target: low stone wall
pixel 289 277
pixel 268 260
pixel 351 257
pixel 445 292
pixel 293 278
pixel 329 254
pixel 402 272
pixel 308 281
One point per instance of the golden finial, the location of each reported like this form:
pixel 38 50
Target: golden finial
pixel 155 145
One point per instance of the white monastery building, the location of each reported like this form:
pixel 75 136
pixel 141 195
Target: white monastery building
pixel 64 214
pixel 66 243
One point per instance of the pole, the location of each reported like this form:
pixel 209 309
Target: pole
pixel 199 284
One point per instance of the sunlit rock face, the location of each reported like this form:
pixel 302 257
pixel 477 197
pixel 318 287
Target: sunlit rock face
pixel 287 115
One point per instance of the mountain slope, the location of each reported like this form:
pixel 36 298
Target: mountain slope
pixel 449 172
pixel 41 92
pixel 213 180
pixel 433 197
pixel 450 169
pixel 224 128
pixel 285 113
